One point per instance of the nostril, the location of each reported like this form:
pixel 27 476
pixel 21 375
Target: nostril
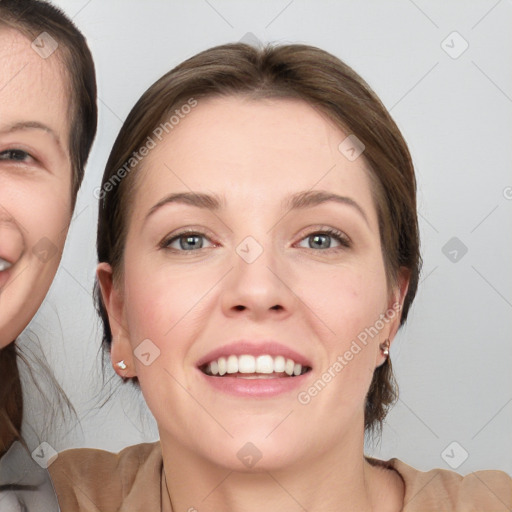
pixel 240 307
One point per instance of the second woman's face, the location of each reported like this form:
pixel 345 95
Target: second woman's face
pixel 253 252
pixel 35 177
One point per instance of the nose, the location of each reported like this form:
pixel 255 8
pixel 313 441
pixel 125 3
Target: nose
pixel 258 289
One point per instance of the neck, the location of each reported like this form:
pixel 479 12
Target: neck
pixel 338 480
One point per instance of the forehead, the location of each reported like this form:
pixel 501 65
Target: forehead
pixel 251 150
pixel 32 88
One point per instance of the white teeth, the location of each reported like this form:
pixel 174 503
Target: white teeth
pixel 248 364
pixel 265 364
pixel 4 265
pixel 222 365
pixel 289 366
pixel 279 364
pixel 232 366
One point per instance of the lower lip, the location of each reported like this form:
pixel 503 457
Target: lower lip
pixel 255 388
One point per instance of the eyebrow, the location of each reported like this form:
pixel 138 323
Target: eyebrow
pixel 312 198
pixel 33 125
pixel 199 200
pixel 298 201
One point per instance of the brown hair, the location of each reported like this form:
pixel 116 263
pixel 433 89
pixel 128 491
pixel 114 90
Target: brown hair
pixel 31 18
pixel 288 71
pixel 11 398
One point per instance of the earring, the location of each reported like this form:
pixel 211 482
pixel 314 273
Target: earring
pixel 385 347
pixel 121 365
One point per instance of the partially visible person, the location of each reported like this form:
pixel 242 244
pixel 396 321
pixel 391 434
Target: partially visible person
pixel 48 118
pixel 270 222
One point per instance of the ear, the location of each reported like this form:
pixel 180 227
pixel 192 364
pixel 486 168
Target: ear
pixel 121 353
pixel 394 312
pixel 397 299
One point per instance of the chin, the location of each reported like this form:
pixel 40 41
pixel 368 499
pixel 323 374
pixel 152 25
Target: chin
pixel 254 457
pixel 258 446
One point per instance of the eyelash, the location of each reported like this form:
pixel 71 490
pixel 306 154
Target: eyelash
pixel 164 244
pixel 340 237
pixel 14 151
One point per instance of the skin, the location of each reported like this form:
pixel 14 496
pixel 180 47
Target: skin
pixel 255 154
pixel 35 178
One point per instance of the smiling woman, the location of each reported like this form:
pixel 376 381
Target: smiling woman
pixel 47 125
pixel 267 245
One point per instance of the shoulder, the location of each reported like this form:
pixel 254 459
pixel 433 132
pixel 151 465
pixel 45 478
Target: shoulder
pixel 25 484
pixel 87 479
pixel 440 489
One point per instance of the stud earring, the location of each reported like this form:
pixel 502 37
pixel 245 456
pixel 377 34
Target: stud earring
pixel 385 347
pixel 121 365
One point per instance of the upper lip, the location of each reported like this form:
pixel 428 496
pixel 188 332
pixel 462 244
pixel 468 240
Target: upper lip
pixel 254 348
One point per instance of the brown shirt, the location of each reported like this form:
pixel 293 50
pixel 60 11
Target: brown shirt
pixel 89 480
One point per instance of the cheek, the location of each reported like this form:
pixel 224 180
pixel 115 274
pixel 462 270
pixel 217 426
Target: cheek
pixel 44 211
pixel 346 299
pixel 42 219
pixel 163 305
pixel 168 305
pixel 348 303
pixel 49 221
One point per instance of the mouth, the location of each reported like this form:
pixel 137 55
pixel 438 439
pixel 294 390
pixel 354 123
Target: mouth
pixel 260 369
pixel 5 265
pixel 247 366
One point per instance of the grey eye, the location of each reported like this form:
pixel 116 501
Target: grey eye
pixel 319 241
pixel 187 242
pixel 324 240
pixel 190 242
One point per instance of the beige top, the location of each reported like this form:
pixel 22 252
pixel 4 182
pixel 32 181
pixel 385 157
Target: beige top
pixel 99 481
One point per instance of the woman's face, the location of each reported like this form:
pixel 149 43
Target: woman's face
pixel 252 239
pixel 35 178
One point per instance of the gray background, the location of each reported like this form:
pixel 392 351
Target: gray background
pixel 453 359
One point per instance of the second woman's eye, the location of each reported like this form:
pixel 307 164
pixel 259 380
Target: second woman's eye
pixel 325 239
pixel 186 242
pixel 16 155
